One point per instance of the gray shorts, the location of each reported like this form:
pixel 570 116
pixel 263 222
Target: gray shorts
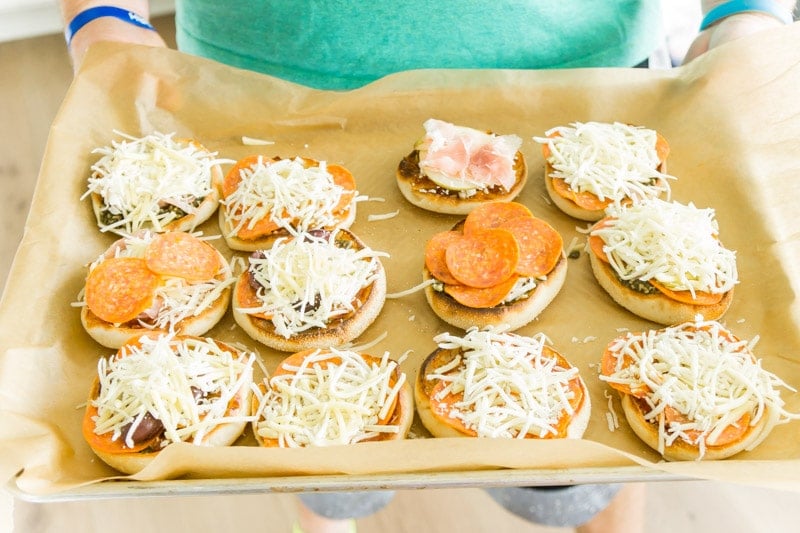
pixel 568 506
pixel 341 505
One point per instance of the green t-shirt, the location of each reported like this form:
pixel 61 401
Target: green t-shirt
pixel 335 44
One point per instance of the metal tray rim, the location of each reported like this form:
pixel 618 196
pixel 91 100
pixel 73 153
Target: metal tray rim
pixel 344 482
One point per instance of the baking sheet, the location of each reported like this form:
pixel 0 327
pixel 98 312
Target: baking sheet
pixel 732 119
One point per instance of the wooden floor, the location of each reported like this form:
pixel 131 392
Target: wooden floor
pixel 35 77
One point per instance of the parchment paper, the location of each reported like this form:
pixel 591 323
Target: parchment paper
pixel 732 119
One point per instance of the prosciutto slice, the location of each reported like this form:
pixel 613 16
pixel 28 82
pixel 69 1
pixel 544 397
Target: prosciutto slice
pixel 465 158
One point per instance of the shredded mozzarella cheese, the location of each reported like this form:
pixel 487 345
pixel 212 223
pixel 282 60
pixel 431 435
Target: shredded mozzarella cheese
pixel 611 415
pixel 333 397
pixel 383 216
pixel 412 290
pixel 522 288
pixel 294 197
pixel 253 141
pixel 699 370
pixel 180 299
pixel 307 281
pixel 509 388
pixel 139 178
pixel 186 384
pixel 612 161
pixel 672 243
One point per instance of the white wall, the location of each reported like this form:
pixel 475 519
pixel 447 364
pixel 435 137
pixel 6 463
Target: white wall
pixel 20 19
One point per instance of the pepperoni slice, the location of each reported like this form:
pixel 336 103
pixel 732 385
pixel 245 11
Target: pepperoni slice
pixel 106 442
pixel 442 405
pixel 540 245
pixel 662 148
pixel 182 255
pixel 234 175
pixel 584 199
pixel 699 298
pixel 596 243
pixel 435 260
pixel 731 434
pixel 260 228
pixel 481 298
pixel 493 215
pixel 264 226
pixel 575 397
pixel 608 366
pixel 246 296
pixel 343 178
pixel 546 151
pixel 483 258
pixel 290 364
pixel 120 288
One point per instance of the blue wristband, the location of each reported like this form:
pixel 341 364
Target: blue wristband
pixel 770 7
pixel 85 17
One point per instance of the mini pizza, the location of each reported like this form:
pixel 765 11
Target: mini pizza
pixel 265 199
pixel 495 384
pixel 326 397
pixel 315 290
pixel 161 389
pixel 694 390
pixel 454 169
pixel 589 166
pixel 663 261
pixel 171 282
pixel 500 265
pixel 156 182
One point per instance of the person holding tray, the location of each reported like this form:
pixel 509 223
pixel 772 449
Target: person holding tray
pixel 340 45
